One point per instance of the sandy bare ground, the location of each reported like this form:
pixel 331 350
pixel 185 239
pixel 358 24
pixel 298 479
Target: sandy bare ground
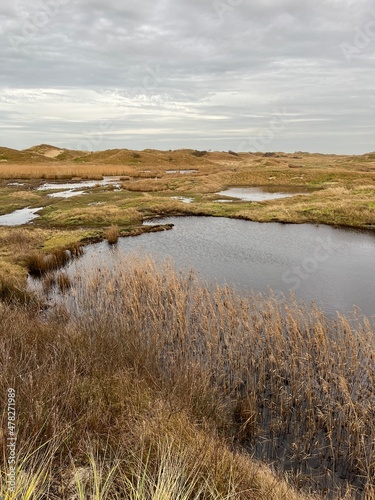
pixel 52 153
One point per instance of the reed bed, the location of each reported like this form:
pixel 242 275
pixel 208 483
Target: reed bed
pixel 145 383
pixel 93 421
pixel 298 388
pixel 63 171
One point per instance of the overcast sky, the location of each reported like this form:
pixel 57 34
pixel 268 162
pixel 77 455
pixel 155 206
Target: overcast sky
pixel 269 75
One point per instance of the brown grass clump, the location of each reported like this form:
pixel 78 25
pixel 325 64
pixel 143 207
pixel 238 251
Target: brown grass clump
pixel 39 263
pixel 18 241
pixel 112 234
pixel 75 248
pixel 154 380
pixel 146 185
pixel 48 282
pixel 12 290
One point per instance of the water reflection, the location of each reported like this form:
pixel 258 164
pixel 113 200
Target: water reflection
pixel 257 194
pixel 333 267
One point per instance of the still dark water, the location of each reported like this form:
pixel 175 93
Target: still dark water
pixel 333 267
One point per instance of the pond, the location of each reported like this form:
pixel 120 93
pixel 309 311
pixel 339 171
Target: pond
pixel 331 266
pixel 19 217
pixel 258 193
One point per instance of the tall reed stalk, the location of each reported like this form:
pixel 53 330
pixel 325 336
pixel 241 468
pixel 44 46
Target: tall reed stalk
pixel 144 381
pixel 298 388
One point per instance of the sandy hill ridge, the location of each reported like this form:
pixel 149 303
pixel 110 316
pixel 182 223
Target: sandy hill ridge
pixel 25 156
pixel 54 153
pixel 46 150
pixel 170 159
pixel 148 157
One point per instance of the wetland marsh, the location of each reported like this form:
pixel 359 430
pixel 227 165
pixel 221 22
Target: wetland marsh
pixel 155 344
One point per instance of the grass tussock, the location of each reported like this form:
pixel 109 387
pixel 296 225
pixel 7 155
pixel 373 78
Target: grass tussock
pixel 17 241
pixel 19 245
pixel 157 386
pixel 39 263
pixel 112 234
pixel 75 249
pixel 12 290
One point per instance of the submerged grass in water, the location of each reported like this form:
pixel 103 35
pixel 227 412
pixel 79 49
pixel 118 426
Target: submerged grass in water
pixel 148 384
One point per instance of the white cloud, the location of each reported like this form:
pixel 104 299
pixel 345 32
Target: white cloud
pixel 186 74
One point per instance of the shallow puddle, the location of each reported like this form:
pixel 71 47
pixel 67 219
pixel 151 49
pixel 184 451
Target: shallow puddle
pixel 180 171
pixel 183 199
pixel 109 180
pixel 19 217
pixel 66 194
pixel 256 194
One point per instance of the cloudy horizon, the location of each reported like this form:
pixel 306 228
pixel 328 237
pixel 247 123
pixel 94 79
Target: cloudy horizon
pixel 266 75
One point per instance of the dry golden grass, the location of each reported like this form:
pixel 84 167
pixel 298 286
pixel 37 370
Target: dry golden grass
pixel 16 242
pixel 254 352
pixel 335 206
pixel 282 175
pixel 151 367
pixel 209 183
pixel 39 262
pixel 97 424
pixel 25 196
pixel 43 262
pixel 112 234
pixel 30 164
pixel 62 171
pixel 96 216
pixel 12 290
pixel 63 281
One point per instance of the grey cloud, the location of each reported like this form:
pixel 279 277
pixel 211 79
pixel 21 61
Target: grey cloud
pixel 191 73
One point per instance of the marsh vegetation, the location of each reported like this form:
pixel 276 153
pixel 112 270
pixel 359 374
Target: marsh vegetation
pixel 143 382
pixel 143 378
